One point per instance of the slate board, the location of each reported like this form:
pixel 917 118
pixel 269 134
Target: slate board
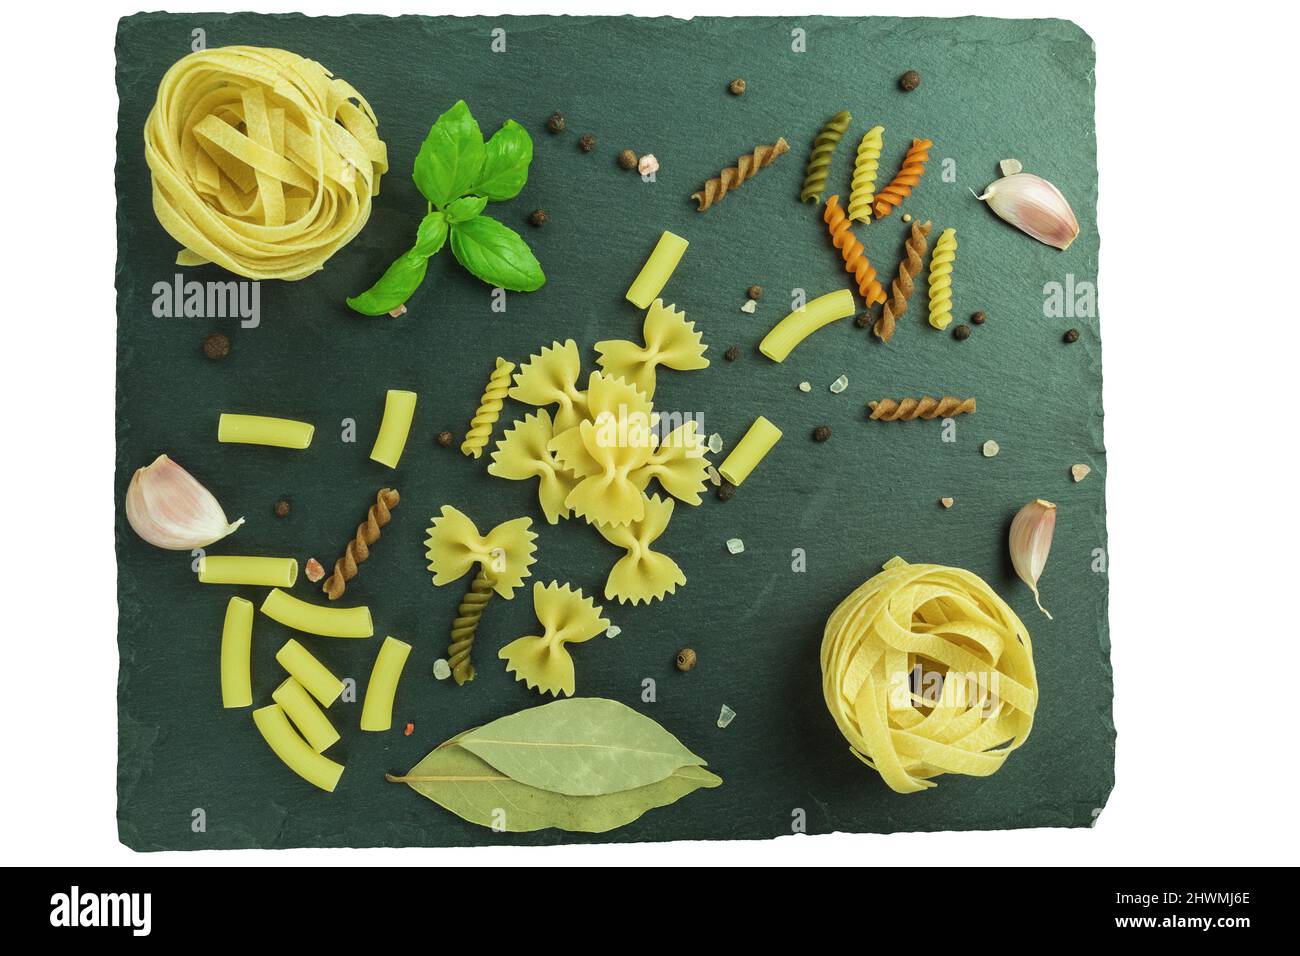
pixel 992 89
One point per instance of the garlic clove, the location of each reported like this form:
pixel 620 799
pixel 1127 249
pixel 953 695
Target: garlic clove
pixel 167 507
pixel 1030 540
pixel 1035 207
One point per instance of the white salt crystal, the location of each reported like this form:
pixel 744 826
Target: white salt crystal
pixel 735 545
pixel 725 716
pixel 840 384
pixel 441 669
pixel 805 386
pixel 749 306
pixel 991 448
pixel 1010 167
pixel 715 443
pixel 613 631
pixel 715 478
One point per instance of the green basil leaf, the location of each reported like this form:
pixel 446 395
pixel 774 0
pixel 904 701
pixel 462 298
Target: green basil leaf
pixel 394 287
pixel 496 254
pixel 432 234
pixel 450 161
pixel 465 208
pixel 509 152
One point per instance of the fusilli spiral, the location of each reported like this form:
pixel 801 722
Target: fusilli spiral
pixel 358 549
pixel 945 251
pixel 904 282
pixel 731 177
pixel 819 161
pixel 464 627
pixel 865 167
pixel 855 261
pixel 910 409
pixel 489 410
pixel 918 154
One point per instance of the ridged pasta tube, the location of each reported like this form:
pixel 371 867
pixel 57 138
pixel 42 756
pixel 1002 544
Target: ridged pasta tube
pixel 910 409
pixel 901 289
pixel 855 261
pixel 716 188
pixel 887 200
pixel 865 167
pixel 489 410
pixel 819 160
pixel 945 251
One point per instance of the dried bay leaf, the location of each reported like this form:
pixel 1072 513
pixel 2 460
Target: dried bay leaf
pixel 474 790
pixel 580 746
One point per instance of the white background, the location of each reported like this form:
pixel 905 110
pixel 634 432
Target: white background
pixel 1196 130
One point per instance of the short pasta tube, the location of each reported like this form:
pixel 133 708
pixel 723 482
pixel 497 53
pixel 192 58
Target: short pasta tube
pixel 240 569
pixel 399 410
pixel 315 619
pixel 236 651
pixel 751 449
pixel 306 715
pixel 801 323
pixel 654 275
pixel 377 710
pixel 297 755
pixel 314 676
pixel 260 430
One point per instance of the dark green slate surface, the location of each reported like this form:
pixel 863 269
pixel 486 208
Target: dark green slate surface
pixel 991 89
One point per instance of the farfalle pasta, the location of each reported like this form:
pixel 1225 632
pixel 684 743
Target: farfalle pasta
pixel 503 557
pixel 551 378
pixel 522 453
pixel 612 443
pixel 670 341
pixel 543 662
pixel 677 462
pixel 642 574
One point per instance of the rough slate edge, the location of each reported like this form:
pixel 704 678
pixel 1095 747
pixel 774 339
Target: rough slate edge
pixel 137 741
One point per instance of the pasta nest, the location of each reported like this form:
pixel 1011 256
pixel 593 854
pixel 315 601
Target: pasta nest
pixel 927 671
pixel 262 162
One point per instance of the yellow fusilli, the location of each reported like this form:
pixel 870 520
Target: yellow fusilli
pixel 945 251
pixel 489 410
pixel 863 190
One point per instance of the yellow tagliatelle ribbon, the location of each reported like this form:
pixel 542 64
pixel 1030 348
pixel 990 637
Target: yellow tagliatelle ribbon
pixel 262 162
pixel 927 671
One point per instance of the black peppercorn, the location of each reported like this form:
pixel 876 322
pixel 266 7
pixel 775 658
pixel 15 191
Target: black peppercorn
pixel 961 333
pixel 1072 335
pixel 909 81
pixel 686 659
pixel 737 87
pixel 282 508
pixel 556 123
pixel 821 432
pixel 755 292
pixel 627 159
pixel 731 354
pixel 863 321
pixel 725 491
pixel 978 318
pixel 445 439
pixel 587 143
pixel 216 346
pixel 538 218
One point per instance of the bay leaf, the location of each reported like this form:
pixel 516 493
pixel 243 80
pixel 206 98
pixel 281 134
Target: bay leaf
pixel 474 790
pixel 580 746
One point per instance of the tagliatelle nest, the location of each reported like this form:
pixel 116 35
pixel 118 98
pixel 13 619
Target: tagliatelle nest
pixel 261 161
pixel 927 671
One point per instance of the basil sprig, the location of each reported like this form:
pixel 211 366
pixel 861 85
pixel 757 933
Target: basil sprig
pixel 459 175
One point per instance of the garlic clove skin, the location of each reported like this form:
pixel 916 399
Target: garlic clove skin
pixel 167 507
pixel 1035 207
pixel 1030 541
